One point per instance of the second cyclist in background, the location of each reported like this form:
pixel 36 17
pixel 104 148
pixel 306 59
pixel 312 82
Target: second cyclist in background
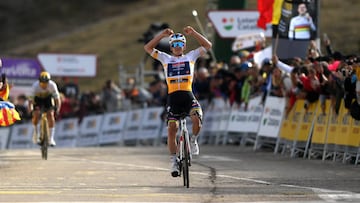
pixel 44 95
pixel 179 73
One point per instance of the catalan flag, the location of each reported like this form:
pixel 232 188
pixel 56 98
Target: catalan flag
pixel 8 114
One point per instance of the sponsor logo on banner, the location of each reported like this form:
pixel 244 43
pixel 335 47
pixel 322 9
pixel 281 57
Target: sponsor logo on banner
pixel 82 65
pixel 151 125
pixel 134 125
pixel 67 131
pixel 68 126
pixel 91 124
pixel 230 24
pixel 89 131
pixel 112 128
pixel 272 116
pixel 248 120
pixel 114 120
pixel 22 73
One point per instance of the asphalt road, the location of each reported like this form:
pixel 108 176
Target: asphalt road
pixel 141 174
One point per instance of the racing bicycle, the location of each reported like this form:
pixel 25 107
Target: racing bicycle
pixel 184 150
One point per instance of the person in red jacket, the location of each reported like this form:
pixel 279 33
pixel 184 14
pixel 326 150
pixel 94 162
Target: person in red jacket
pixel 311 86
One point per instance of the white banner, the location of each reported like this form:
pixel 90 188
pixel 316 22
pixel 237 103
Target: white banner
pixel 230 24
pixel 21 136
pixel 246 121
pixel 220 115
pixel 272 115
pixel 4 135
pixel 247 41
pixel 208 121
pixel 263 54
pixel 133 124
pixel 66 132
pixel 89 131
pixel 113 127
pixel 151 123
pixel 79 65
pixel 224 118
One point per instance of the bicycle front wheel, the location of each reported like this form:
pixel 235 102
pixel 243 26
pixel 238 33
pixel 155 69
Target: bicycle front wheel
pixel 44 135
pixel 186 164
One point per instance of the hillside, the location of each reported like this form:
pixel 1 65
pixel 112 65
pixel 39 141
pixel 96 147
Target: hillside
pixel 113 33
pixel 115 39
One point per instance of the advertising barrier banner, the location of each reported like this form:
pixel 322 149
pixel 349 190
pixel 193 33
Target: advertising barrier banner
pixel 133 124
pixel 113 127
pixel 66 132
pixel 89 130
pixel 4 136
pixel 21 136
pixel 271 120
pixel 320 125
pixel 151 123
pixel 246 121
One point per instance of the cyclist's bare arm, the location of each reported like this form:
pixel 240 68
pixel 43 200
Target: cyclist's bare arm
pixel 149 47
pixel 30 105
pixel 188 30
pixel 57 104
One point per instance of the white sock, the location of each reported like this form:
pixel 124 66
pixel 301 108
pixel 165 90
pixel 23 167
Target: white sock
pixel 36 128
pixel 52 133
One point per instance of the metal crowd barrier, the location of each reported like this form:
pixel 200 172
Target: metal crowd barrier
pixel 311 134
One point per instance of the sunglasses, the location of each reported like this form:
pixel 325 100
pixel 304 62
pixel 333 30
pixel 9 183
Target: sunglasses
pixel 178 44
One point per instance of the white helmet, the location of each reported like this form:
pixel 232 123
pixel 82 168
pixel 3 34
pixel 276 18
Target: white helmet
pixel 177 37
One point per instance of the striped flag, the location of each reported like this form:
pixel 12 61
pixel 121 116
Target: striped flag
pixel 270 12
pixel 8 114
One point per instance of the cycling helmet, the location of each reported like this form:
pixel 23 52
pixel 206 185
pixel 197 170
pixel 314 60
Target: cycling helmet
pixel 177 37
pixel 44 77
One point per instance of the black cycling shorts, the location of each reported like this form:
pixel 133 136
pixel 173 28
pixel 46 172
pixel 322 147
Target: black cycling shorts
pixel 181 102
pixel 45 103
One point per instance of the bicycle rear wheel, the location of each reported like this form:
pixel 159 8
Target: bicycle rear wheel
pixel 186 164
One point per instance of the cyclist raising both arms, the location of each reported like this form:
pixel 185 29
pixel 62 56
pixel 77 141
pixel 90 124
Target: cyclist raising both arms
pixel 43 92
pixel 179 73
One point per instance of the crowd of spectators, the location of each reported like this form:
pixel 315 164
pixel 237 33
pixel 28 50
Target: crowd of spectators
pixel 318 77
